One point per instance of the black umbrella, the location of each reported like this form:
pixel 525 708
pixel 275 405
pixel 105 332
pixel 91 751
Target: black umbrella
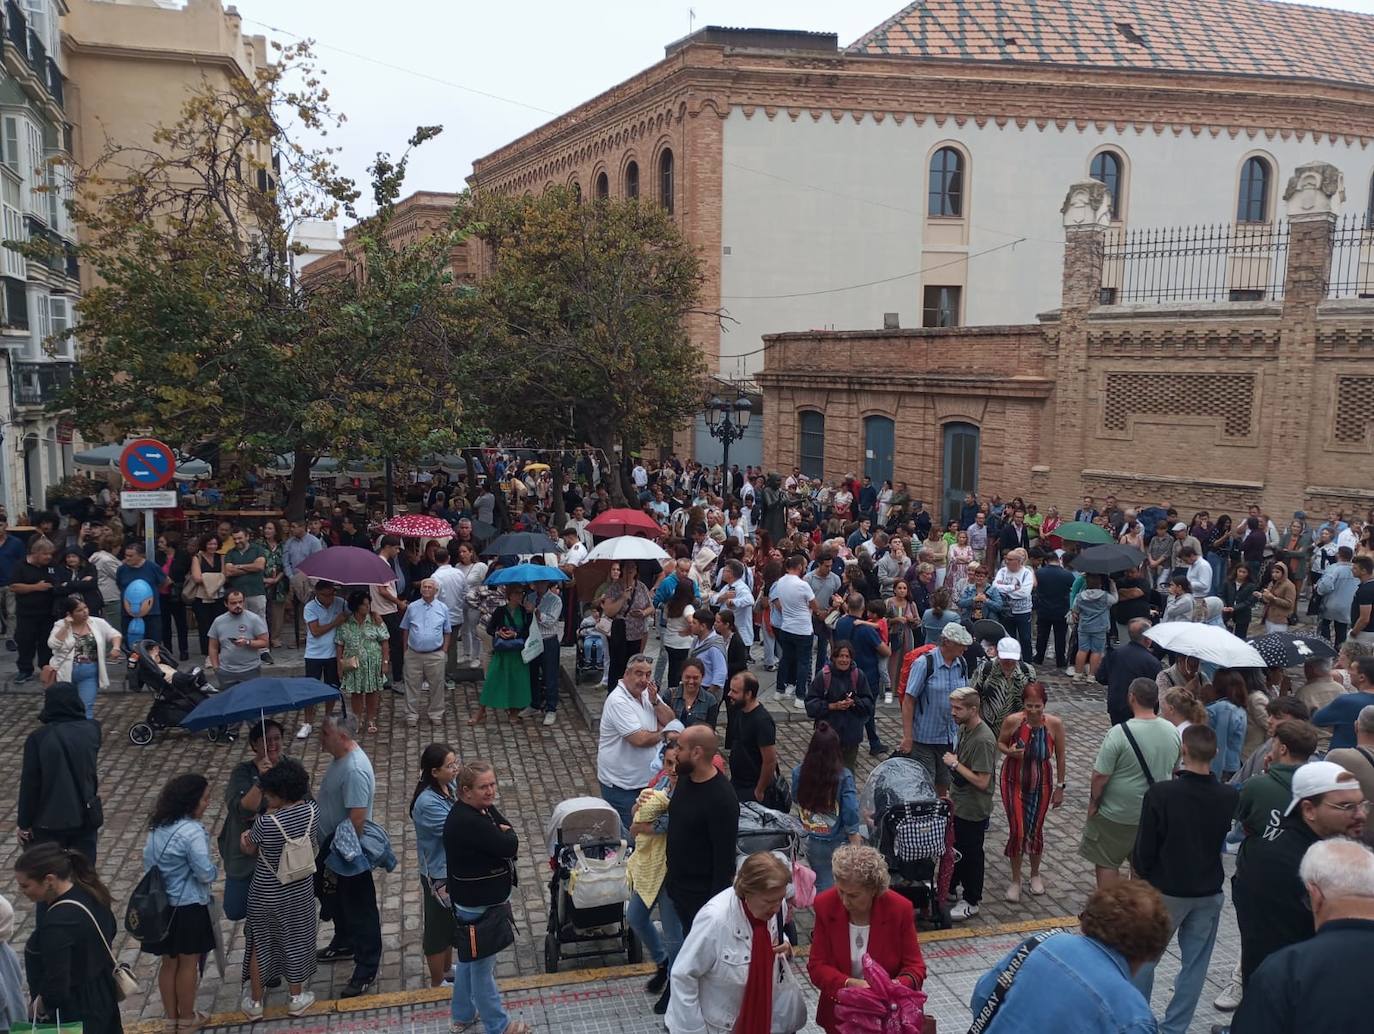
pixel 1289 649
pixel 988 630
pixel 1110 558
pixel 520 543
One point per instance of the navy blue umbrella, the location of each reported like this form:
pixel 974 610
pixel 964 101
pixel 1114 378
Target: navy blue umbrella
pixel 250 701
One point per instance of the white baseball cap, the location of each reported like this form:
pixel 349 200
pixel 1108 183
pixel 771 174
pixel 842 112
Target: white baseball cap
pixel 1319 777
pixel 1009 649
pixel 1180 526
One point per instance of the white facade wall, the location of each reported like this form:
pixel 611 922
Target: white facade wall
pixel 813 205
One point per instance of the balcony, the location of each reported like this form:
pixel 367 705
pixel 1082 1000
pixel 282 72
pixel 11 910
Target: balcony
pixel 28 62
pixel 16 304
pixel 38 384
pixel 55 86
pixel 73 264
pixel 17 28
pixel 52 253
pixel 38 56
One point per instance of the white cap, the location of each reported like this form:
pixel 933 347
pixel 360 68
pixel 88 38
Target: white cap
pixel 1318 777
pixel 1180 526
pixel 1009 649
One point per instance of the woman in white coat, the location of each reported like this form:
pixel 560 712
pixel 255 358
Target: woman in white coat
pixel 81 645
pixel 733 973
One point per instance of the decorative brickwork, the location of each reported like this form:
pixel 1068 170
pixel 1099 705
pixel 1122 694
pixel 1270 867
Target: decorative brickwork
pixel 1227 397
pixel 1354 409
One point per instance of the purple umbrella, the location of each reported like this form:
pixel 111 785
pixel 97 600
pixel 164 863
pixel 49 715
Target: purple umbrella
pixel 347 565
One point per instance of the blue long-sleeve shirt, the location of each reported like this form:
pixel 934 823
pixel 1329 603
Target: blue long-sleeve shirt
pixel 181 850
pixel 429 815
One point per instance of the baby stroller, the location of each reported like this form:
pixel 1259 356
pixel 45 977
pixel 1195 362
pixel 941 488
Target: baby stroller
pixel 762 829
pixel 175 693
pixel 910 826
pixel 588 887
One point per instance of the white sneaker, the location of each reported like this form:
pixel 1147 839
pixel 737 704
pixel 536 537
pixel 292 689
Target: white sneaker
pixel 801 703
pixel 1229 999
pixel 529 712
pixel 251 1009
pixel 1070 672
pixel 297 1004
pixel 303 733
pixel 550 717
pixel 887 698
pixel 962 910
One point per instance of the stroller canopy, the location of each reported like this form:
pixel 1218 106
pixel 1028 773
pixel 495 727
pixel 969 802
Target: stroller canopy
pixel 581 820
pixel 898 780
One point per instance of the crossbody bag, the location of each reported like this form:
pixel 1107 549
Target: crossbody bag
pixel 125 982
pixel 1149 777
pixel 988 1013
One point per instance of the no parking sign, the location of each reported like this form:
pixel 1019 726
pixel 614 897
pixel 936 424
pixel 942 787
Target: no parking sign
pixel 147 463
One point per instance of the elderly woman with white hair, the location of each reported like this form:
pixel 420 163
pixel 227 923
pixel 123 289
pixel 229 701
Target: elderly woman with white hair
pixel 1016 582
pixel 860 915
pixel 733 974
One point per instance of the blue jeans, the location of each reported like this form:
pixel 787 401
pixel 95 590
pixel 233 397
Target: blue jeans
pixel 1196 920
pixel 1019 625
pixel 795 670
pixel 623 801
pixel 87 679
pixel 818 854
pixel 475 993
pixel 637 914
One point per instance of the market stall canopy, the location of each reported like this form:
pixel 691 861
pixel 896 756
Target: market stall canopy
pixel 106 457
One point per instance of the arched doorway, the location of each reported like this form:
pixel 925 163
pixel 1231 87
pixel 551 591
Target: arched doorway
pixel 879 445
pixel 961 466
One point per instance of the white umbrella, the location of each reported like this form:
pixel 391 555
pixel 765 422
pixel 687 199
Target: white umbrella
pixel 1206 643
pixel 627 547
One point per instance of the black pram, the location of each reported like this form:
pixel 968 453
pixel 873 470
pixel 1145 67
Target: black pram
pixel 175 693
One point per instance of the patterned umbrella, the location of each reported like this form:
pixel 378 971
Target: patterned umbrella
pixel 418 526
pixel 1289 649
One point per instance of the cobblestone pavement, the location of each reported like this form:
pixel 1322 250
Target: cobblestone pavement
pixel 537 767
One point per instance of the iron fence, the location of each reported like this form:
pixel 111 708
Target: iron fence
pixel 1352 257
pixel 1240 262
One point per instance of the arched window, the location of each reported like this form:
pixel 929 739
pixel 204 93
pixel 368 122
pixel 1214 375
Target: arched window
pixel 603 186
pixel 1253 206
pixel 1106 169
pixel 665 180
pixel 811 443
pixel 632 179
pixel 946 183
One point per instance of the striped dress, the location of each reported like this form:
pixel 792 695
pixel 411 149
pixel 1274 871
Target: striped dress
pixel 282 921
pixel 1026 790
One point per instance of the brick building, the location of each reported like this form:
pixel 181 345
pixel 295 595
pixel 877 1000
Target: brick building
pixel 1215 401
pixel 917 170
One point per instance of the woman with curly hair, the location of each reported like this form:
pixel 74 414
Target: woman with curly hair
pixel 179 847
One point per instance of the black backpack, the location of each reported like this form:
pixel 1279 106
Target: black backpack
pixel 149 916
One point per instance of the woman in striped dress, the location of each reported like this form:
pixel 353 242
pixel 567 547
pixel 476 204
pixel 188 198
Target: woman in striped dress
pixel 279 940
pixel 1029 739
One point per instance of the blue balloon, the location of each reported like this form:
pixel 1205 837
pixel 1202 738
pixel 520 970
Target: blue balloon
pixel 137 593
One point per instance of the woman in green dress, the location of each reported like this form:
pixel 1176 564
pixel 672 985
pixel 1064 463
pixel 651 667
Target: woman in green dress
pixel 362 643
pixel 274 577
pixel 508 676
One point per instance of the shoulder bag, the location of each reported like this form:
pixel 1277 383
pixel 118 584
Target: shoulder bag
pixel 1149 778
pixel 988 1013
pixel 778 795
pixel 491 932
pixel 125 982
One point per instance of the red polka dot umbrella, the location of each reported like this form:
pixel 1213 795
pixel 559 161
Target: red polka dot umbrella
pixel 418 526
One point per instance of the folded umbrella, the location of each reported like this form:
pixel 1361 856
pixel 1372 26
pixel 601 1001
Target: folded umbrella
pixel 250 701
pixel 1110 558
pixel 1206 643
pixel 347 565
pixel 883 1007
pixel 1082 531
pixel 1289 649
pixel 520 543
pixel 627 547
pixel 524 574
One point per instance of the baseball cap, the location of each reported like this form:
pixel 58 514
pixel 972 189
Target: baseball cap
pixel 1180 526
pixel 957 633
pixel 1009 649
pixel 1319 777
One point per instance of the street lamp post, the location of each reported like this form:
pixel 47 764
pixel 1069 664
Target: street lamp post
pixel 727 421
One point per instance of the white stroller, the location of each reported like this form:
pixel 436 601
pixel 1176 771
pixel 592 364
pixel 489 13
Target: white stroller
pixel 588 887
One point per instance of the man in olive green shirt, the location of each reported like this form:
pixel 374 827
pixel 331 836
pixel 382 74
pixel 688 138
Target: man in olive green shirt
pixel 243 570
pixel 971 766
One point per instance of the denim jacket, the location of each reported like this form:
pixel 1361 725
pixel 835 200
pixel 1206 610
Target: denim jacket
pixel 351 855
pixel 1228 721
pixel 429 814
pixel 182 851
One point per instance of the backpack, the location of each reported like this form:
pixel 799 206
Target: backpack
pixel 826 676
pixel 149 915
pixel 297 859
pixel 911 655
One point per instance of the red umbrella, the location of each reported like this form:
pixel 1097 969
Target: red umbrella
pixel 625 522
pixel 418 526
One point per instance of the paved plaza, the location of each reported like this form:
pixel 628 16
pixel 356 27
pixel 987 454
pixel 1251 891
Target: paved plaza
pixel 537 766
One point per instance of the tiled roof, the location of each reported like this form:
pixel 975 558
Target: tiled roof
pixel 1236 37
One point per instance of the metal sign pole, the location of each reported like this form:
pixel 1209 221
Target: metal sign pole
pixel 149 534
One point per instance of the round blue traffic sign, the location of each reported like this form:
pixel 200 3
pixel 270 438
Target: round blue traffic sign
pixel 147 463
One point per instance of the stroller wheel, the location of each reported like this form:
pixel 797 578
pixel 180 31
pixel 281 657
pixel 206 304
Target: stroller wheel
pixel 212 734
pixel 551 953
pixel 140 734
pixel 634 948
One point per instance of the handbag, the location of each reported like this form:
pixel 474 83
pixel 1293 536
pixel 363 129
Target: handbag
pixel 598 881
pixel 33 1026
pixel 778 796
pixel 125 982
pixel 533 648
pixel 491 932
pixel 604 625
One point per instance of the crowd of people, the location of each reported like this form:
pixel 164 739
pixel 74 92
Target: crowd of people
pixel 858 599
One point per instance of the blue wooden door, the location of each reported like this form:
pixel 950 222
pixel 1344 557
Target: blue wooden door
pixel 880 440
pixel 961 466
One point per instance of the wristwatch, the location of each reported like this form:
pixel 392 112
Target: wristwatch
pixel 1060 786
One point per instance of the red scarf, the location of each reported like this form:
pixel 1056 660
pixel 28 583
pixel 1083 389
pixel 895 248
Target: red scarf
pixel 756 1011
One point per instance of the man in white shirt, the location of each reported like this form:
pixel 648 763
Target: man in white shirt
pixel 1199 572
pixel 735 595
pixel 793 603
pixel 453 588
pixel 640 476
pixel 579 521
pixel 1349 537
pixel 574 552
pixel 631 720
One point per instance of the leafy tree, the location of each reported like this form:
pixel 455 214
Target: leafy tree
pixel 583 311
pixel 199 332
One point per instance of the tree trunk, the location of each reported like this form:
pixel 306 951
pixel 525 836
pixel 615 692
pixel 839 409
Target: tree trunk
pixel 560 514
pixel 613 476
pixel 470 484
pixel 300 482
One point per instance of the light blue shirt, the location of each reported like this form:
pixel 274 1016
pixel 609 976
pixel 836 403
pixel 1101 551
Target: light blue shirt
pixel 181 850
pixel 294 550
pixel 1070 984
pixel 932 722
pixel 427 624
pixel 348 783
pixel 429 815
pixel 321 647
pixel 1337 586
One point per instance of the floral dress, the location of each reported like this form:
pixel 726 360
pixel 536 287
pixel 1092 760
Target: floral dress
pixel 363 641
pixel 956 575
pixel 275 593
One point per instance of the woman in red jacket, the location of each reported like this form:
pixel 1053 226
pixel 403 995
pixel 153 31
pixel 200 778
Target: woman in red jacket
pixel 859 916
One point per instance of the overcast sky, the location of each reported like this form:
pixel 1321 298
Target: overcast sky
pixel 489 72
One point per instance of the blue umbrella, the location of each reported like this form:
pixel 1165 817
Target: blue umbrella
pixel 249 701
pixel 523 574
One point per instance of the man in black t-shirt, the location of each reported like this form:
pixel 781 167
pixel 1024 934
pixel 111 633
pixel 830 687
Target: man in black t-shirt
pixel 1362 609
pixel 32 585
pixel 1133 601
pixel 754 754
